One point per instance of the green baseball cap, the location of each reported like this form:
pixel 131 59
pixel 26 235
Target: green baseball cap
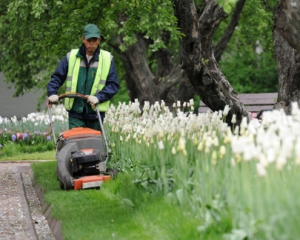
pixel 91 31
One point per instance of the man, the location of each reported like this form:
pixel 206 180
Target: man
pixel 89 71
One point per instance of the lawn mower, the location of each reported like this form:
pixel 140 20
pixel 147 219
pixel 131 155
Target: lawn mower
pixel 81 154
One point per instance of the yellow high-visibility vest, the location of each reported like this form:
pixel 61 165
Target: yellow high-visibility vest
pixel 74 64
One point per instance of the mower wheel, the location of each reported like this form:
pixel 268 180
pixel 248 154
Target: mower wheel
pixel 113 172
pixel 67 185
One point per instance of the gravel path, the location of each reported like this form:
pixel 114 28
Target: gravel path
pixel 21 212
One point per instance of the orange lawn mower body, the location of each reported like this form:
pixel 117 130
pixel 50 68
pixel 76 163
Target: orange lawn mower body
pixel 82 155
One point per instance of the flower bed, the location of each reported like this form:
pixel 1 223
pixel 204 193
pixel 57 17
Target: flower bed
pixel 32 133
pixel 247 175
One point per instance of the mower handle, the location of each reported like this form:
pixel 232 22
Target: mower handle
pixel 72 95
pixel 68 95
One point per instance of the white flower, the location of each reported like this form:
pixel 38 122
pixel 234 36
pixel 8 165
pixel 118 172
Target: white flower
pixel 181 144
pixel 208 142
pixel 200 146
pixel 191 102
pixel 173 150
pixel 216 141
pixel 261 170
pixel 244 123
pixel 161 145
pixel 222 150
pixel 14 119
pixel 281 161
pixel 226 110
pixel 295 108
pixel 233 120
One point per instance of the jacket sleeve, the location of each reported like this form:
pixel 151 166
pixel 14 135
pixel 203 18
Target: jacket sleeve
pixel 58 77
pixel 112 85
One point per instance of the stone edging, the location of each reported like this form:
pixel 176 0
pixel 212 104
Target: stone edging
pixel 54 224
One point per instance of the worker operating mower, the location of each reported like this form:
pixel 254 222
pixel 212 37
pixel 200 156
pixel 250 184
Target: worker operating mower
pixel 81 154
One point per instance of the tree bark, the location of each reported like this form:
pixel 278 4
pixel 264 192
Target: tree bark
pixel 198 60
pixel 287 56
pixel 287 19
pixel 165 63
pixel 139 77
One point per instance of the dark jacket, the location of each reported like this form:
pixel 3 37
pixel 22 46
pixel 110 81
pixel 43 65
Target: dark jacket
pixel 81 109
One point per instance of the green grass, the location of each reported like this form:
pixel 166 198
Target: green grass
pixel 48 155
pixel 119 210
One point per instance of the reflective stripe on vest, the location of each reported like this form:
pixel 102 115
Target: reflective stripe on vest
pixel 74 64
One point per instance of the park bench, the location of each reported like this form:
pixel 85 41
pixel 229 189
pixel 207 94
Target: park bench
pixel 254 102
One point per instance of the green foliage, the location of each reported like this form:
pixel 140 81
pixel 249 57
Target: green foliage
pixel 123 94
pixel 250 72
pixel 9 150
pixel 36 35
pixel 248 62
pixel 21 156
pixel 149 18
pixel 196 102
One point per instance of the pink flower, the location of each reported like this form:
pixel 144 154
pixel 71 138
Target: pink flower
pixel 253 115
pixel 19 136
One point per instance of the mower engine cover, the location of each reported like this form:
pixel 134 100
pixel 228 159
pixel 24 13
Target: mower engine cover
pixel 86 161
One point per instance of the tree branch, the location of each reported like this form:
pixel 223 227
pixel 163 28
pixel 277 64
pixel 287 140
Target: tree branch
pixel 230 29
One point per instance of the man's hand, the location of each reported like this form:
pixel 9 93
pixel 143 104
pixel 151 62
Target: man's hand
pixel 53 98
pixel 92 100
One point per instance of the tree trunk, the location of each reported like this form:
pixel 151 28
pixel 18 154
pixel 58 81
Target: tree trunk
pixel 168 83
pixel 139 77
pixel 144 86
pixel 287 19
pixel 287 55
pixel 197 70
pixel 198 60
pixel 164 58
pixel 176 87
